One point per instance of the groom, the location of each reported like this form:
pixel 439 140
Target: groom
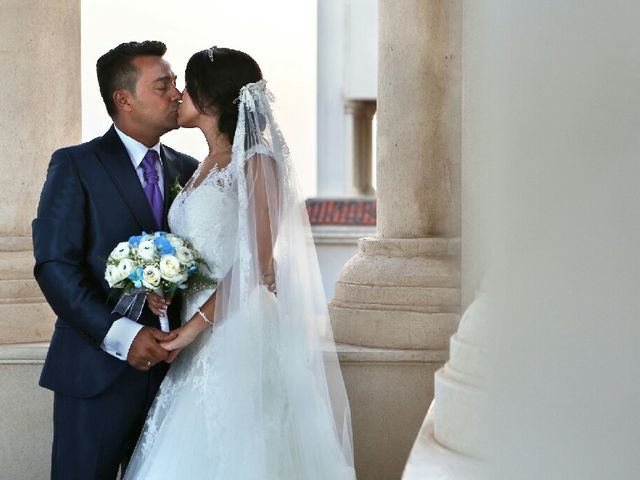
pixel 105 370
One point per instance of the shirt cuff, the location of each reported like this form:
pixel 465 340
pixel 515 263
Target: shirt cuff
pixel 119 338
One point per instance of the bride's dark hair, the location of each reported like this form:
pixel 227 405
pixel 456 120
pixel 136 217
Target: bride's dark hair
pixel 214 78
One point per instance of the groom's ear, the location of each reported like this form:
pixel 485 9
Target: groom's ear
pixel 122 100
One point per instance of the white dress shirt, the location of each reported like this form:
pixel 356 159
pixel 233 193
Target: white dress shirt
pixel 120 336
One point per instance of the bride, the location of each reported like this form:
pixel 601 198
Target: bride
pixel 256 391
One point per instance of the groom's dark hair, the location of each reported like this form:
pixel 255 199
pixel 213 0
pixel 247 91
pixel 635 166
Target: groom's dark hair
pixel 116 72
pixel 214 78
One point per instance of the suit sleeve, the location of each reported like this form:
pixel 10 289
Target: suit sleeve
pixel 59 239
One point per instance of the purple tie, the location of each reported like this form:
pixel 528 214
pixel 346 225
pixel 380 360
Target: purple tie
pixel 151 188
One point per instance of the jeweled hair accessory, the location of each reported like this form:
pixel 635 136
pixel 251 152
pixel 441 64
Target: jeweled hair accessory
pixel 211 52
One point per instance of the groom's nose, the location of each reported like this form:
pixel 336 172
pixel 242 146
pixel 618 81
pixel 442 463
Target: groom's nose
pixel 175 94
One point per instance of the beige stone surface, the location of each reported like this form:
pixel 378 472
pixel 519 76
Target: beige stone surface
pixel 393 329
pixel 40 67
pixel 25 323
pixel 24 314
pixel 397 301
pixel 26 414
pixel 16 258
pixel 399 293
pixel 411 268
pixel 389 395
pixel 392 262
pixel 419 105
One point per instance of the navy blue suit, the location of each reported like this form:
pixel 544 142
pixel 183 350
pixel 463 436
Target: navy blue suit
pixel 92 199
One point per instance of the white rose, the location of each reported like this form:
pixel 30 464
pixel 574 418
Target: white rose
pixel 121 251
pixel 111 275
pixel 175 241
pixel 179 279
pixel 151 278
pixel 146 249
pixel 125 267
pixel 170 268
pixel 184 255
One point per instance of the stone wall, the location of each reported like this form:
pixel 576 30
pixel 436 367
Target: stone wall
pixel 40 67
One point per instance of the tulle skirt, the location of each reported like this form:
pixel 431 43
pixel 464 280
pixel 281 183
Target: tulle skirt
pixel 236 406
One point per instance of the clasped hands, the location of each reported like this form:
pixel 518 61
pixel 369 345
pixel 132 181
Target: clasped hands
pixel 151 345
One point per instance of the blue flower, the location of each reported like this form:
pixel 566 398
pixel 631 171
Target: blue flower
pixel 163 246
pixel 135 240
pixel 136 277
pixel 192 269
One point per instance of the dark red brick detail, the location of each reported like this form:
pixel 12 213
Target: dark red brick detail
pixel 323 211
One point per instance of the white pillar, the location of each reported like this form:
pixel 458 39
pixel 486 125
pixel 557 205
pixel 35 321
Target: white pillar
pixel 332 122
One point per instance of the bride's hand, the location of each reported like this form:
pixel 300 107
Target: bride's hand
pixel 175 346
pixel 157 304
pixel 269 280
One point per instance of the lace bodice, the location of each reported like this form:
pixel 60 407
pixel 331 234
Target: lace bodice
pixel 207 216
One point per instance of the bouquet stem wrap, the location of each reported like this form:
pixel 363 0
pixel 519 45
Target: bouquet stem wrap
pixel 131 304
pixel 164 320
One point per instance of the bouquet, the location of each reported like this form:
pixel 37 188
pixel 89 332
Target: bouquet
pixel 160 262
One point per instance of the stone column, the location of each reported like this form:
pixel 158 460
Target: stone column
pixel 40 66
pixel 358 155
pixel 402 290
pixel 397 301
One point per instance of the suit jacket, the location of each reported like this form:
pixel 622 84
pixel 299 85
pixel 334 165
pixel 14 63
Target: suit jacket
pixel 91 200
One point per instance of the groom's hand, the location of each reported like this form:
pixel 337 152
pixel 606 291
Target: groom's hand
pixel 146 351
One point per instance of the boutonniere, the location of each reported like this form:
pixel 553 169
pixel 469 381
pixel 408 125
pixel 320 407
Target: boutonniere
pixel 174 190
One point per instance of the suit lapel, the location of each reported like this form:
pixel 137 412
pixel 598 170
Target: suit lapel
pixel 116 161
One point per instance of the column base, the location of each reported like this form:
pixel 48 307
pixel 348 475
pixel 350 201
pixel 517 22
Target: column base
pixel 25 315
pixel 430 460
pixel 399 293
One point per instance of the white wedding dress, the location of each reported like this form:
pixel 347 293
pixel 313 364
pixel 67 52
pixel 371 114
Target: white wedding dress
pixel 242 402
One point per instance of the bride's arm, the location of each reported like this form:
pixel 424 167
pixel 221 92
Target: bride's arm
pixel 263 194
